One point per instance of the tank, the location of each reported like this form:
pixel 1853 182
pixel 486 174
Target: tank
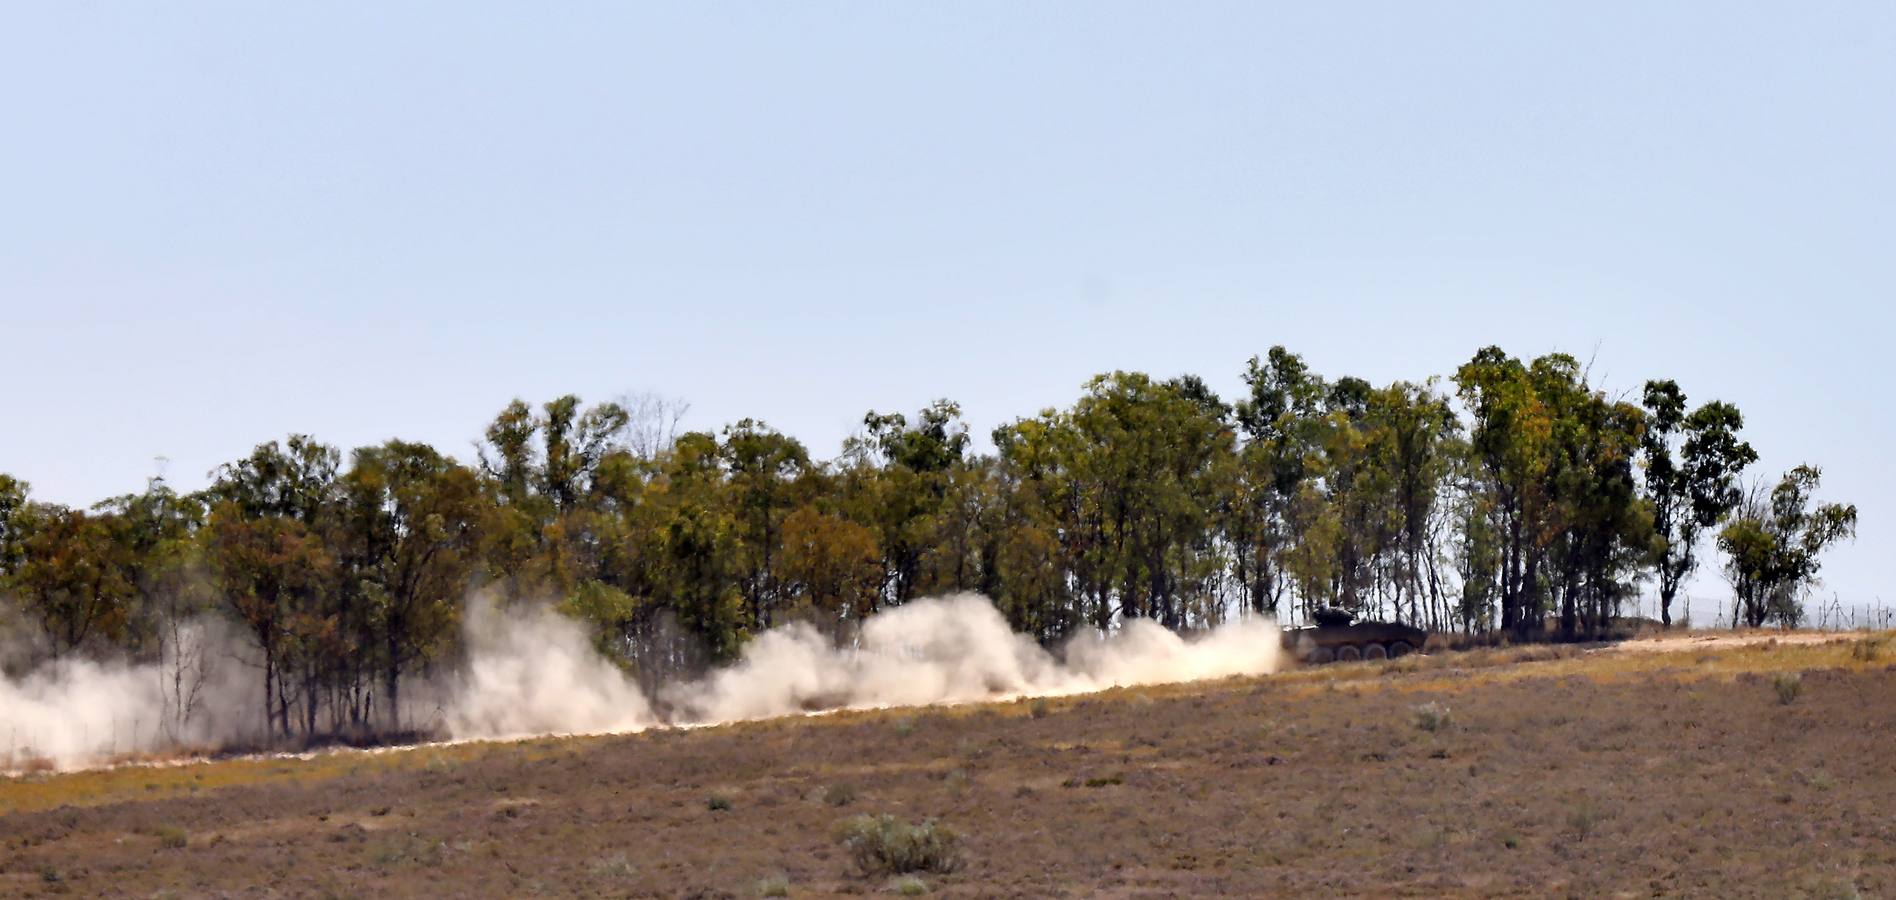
pixel 1337 637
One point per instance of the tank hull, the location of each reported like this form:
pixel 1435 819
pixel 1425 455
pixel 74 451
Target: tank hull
pixel 1359 640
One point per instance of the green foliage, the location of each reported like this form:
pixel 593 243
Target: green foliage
pixel 1773 544
pixel 884 844
pixel 910 886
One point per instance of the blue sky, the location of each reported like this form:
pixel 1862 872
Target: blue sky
pixel 223 223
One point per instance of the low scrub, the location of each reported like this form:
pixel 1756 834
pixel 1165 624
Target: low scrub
pixel 1788 686
pixel 885 844
pixel 1432 717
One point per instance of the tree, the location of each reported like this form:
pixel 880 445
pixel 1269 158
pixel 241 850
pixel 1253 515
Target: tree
pixel 13 508
pixel 272 571
pixel 1773 545
pixel 831 564
pixel 1698 489
pixel 412 520
pixel 763 466
pixel 75 576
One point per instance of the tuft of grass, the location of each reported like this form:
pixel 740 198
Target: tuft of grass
pixel 1788 686
pixel 1039 708
pixel 840 794
pixel 1869 649
pixel 171 837
pixel 717 803
pixel 777 885
pixel 618 865
pixel 886 844
pixel 1431 717
pixel 910 886
pixel 1105 781
pixel 905 726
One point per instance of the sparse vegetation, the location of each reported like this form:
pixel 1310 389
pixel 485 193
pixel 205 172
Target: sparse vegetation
pixel 1431 716
pixel 777 885
pixel 1039 708
pixel 886 844
pixel 1550 766
pixel 1788 686
pixel 171 837
pixel 841 793
pixel 717 803
pixel 1869 649
pixel 910 886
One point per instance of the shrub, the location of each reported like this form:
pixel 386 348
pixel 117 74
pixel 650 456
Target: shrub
pixel 1039 708
pixel 1868 649
pixel 1431 717
pixel 904 726
pixel 886 844
pixel 717 803
pixel 841 794
pixel 171 837
pixel 777 885
pixel 1788 685
pixel 910 886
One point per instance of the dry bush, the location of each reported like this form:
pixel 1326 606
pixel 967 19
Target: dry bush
pixel 1869 649
pixel 884 843
pixel 777 885
pixel 841 794
pixel 1432 717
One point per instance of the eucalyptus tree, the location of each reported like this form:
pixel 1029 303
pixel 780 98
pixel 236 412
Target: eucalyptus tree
pixel 411 523
pixel 1773 546
pixel 1282 422
pixel 1694 491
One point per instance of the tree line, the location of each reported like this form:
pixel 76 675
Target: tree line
pixel 1517 498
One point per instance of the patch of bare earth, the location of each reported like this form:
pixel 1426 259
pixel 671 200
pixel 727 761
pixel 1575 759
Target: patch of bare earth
pixel 1570 774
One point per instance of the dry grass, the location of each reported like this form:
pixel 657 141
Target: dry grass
pixel 1562 771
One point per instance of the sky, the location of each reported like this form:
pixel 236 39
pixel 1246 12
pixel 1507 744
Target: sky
pixel 222 223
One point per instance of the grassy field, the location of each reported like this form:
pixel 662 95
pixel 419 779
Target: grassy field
pixel 1762 770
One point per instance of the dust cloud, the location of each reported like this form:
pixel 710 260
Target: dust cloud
pixel 527 670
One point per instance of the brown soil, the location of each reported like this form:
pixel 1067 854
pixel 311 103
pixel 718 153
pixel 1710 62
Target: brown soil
pixel 1560 773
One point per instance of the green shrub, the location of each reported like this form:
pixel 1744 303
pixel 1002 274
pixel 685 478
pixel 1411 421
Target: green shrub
pixel 1039 708
pixel 886 844
pixel 717 803
pixel 910 886
pixel 171 837
pixel 1788 685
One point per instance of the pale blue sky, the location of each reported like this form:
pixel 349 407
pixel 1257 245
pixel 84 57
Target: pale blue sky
pixel 221 223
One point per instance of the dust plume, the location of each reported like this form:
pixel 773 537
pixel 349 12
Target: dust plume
pixel 527 670
pixel 534 672
pixel 956 649
pixel 75 712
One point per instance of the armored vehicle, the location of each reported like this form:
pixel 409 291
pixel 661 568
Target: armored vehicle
pixel 1336 636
